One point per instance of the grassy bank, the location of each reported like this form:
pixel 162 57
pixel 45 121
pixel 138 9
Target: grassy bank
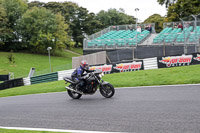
pixel 24 131
pixel 24 61
pixel 165 76
pixel 56 86
pixel 78 50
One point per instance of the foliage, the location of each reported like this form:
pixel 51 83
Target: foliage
pixel 80 21
pixel 61 36
pixel 182 9
pixel 35 4
pixel 114 17
pixel 11 11
pixel 158 20
pixel 11 58
pixel 39 29
pixel 3 24
pixel 166 2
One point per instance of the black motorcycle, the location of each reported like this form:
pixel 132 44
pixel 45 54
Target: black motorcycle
pixel 92 81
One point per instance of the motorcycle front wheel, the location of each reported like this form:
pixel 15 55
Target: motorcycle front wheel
pixel 73 95
pixel 107 90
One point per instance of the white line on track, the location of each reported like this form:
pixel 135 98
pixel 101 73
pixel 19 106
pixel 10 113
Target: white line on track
pixel 54 130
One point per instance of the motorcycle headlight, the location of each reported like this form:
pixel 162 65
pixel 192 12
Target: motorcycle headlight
pixel 101 74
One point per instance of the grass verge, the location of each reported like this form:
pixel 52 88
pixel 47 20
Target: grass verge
pixel 24 131
pixel 165 76
pixel 56 86
pixel 24 61
pixel 78 50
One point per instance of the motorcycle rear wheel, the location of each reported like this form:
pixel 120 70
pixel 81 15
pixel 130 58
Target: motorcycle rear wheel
pixel 73 95
pixel 107 90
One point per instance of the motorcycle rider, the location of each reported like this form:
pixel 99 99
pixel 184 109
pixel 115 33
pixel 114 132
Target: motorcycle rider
pixel 77 75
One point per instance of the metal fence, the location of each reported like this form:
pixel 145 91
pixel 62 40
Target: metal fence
pixel 187 36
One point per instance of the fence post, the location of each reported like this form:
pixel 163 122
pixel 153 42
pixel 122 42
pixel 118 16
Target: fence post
pixel 185 45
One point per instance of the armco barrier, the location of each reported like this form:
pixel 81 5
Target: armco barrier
pixel 44 78
pixel 27 81
pixel 11 83
pixel 4 77
pixel 65 73
pixel 2 86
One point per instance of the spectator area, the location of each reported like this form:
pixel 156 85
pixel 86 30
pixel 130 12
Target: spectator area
pixel 177 35
pixel 119 38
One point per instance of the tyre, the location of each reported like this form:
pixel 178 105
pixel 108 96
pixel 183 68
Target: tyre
pixel 107 90
pixel 73 95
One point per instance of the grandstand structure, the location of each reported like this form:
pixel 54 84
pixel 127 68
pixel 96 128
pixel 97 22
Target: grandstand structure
pixel 125 43
pixel 189 34
pixel 117 37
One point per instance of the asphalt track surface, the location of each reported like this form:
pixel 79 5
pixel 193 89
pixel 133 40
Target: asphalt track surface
pixel 141 110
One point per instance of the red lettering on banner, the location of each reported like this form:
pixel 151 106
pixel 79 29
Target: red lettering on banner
pixel 127 66
pixel 169 61
pixel 105 68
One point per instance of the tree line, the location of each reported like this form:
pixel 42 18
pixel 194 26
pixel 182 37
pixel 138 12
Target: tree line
pixel 176 10
pixel 36 25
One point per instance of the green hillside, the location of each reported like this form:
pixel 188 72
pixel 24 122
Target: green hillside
pixel 24 61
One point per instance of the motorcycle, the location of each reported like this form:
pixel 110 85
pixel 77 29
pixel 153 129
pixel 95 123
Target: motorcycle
pixel 92 81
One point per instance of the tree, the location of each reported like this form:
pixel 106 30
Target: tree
pixel 157 19
pixel 35 3
pixel 3 24
pixel 77 17
pixel 61 37
pixel 39 28
pixel 14 9
pixel 182 9
pixel 91 24
pixel 81 22
pixel 114 17
pixel 166 2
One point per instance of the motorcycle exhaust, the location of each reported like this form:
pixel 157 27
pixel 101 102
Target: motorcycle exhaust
pixel 74 90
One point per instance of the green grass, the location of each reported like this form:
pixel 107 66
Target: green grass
pixel 165 76
pixel 24 131
pixel 78 50
pixel 65 54
pixel 24 61
pixel 56 86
